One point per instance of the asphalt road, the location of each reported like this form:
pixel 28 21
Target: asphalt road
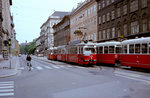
pixel 47 80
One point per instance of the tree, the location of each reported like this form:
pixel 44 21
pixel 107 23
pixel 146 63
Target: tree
pixel 28 48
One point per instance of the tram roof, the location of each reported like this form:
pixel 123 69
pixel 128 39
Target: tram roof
pixel 138 40
pixel 112 43
pixel 52 48
pixel 88 43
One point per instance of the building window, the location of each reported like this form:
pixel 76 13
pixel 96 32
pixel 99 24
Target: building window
pixel 112 1
pixel 99 6
pixel 119 32
pixel 113 15
pixel 103 18
pixel 104 34
pixel 125 29
pixel 100 20
pixel 134 6
pixel 108 16
pixel 108 2
pixel 85 12
pixel 108 33
pixel 95 36
pixel 89 12
pixel 149 24
pixel 134 27
pixel 103 4
pixel 95 8
pixel 144 23
pixel 144 3
pixel 118 12
pixel 113 32
pixel 100 35
pixel 124 9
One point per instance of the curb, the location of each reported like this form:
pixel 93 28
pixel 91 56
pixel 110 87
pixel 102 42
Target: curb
pixel 9 75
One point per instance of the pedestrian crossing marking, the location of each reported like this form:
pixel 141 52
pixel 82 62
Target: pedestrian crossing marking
pixel 47 67
pixel 7 89
pixel 56 67
pixel 39 68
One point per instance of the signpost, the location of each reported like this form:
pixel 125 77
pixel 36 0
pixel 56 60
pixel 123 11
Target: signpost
pixel 9 46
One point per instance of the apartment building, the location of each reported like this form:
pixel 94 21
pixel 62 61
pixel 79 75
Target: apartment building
pixel 123 19
pixel 47 32
pixel 62 32
pixel 83 21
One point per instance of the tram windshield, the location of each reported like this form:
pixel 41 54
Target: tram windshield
pixel 88 51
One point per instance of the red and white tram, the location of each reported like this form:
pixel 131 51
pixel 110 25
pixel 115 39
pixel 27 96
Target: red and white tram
pixel 136 53
pixel 52 54
pixel 83 53
pixel 108 52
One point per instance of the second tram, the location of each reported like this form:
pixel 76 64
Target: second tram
pixel 108 52
pixel 136 53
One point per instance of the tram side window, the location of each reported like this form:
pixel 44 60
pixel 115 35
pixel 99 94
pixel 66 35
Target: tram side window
pixel 125 49
pixel 81 50
pixel 100 49
pixel 131 49
pixel 137 48
pixel 144 48
pixel 149 48
pixel 75 50
pixel 106 49
pixel 111 49
pixel 118 49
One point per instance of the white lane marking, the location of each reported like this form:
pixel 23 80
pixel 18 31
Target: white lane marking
pixel 39 68
pixel 55 67
pixel 133 78
pixel 6 87
pixel 7 82
pixel 47 67
pixel 69 66
pixel 128 74
pixel 6 94
pixel 7 90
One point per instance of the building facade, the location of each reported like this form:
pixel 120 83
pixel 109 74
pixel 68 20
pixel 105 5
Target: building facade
pixel 1 31
pixel 123 19
pixel 62 32
pixel 47 32
pixel 38 46
pixel 83 21
pixel 17 48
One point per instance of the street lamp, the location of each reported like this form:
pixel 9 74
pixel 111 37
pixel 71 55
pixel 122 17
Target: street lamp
pixel 9 46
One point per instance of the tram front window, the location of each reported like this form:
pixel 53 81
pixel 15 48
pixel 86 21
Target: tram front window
pixel 88 51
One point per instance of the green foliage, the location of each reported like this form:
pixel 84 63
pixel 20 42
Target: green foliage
pixel 28 49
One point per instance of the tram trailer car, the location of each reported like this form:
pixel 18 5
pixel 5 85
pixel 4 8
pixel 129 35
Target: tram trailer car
pixel 83 53
pixel 136 53
pixel 61 53
pixel 108 52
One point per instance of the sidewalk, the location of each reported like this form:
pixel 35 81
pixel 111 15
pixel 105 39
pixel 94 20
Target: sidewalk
pixel 49 61
pixel 5 70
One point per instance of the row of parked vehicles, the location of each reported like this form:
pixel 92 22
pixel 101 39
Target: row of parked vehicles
pixel 133 52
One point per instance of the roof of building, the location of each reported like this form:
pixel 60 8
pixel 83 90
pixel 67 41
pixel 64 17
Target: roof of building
pixel 60 14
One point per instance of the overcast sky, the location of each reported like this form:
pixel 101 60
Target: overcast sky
pixel 29 15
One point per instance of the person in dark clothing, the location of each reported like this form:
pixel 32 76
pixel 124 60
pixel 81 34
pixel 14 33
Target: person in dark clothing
pixel 28 59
